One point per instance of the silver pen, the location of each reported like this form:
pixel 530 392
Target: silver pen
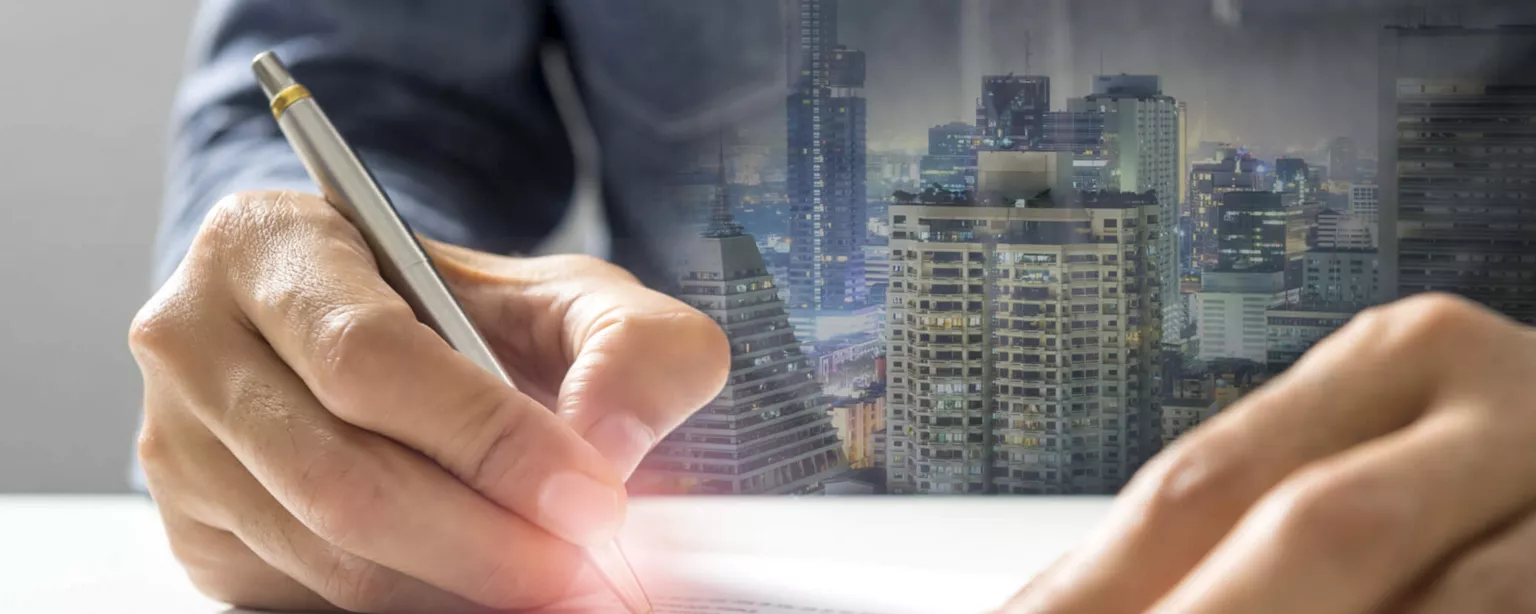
pixel 352 190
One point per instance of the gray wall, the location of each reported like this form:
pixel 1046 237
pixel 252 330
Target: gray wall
pixel 85 88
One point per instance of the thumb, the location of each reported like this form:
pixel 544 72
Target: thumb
pixel 644 363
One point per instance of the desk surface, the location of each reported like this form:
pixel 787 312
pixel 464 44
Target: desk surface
pixel 107 555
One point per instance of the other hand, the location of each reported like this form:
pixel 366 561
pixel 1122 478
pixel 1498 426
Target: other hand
pixel 1392 470
pixel 311 445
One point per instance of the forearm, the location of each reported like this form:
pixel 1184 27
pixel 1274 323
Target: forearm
pixel 435 101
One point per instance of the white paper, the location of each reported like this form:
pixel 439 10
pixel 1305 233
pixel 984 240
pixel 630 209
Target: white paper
pixel 730 584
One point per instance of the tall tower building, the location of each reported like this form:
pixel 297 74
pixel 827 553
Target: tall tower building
pixel 1143 139
pixel 826 165
pixel 1023 343
pixel 1210 182
pixel 1455 166
pixel 769 431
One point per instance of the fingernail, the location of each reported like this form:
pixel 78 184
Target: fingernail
pixel 623 439
pixel 579 509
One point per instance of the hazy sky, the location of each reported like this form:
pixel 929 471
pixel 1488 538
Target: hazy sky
pixel 1277 74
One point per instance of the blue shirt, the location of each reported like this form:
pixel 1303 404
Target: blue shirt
pixel 449 105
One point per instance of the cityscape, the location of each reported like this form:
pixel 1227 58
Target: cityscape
pixel 1038 290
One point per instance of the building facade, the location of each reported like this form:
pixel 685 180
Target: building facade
pixel 1365 204
pixel 1456 168
pixel 769 430
pixel 1251 232
pixel 1229 312
pixel 1011 111
pixel 1210 182
pixel 951 159
pixel 1022 347
pixel 827 171
pixel 1347 231
pixel 1345 278
pixel 1294 329
pixel 1143 142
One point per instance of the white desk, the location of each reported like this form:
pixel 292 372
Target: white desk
pixel 107 555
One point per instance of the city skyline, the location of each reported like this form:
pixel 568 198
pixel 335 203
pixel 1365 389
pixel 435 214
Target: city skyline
pixel 1279 81
pixel 1069 275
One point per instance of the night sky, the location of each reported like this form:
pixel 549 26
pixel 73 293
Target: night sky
pixel 1277 75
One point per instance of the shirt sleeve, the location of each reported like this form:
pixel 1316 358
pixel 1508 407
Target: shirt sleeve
pixel 444 101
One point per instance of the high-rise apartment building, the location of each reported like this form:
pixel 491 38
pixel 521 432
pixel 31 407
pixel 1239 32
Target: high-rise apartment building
pixel 826 166
pixel 1023 345
pixel 1143 139
pixel 1456 165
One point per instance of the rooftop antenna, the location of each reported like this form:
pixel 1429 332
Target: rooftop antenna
pixel 721 222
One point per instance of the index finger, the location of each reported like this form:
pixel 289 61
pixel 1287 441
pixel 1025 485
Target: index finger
pixel 319 301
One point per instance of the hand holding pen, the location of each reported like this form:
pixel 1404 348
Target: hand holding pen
pixel 323 432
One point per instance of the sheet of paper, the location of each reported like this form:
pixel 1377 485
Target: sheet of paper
pixel 733 584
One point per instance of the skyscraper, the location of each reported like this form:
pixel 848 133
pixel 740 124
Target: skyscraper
pixel 1011 111
pixel 768 432
pixel 826 165
pixel 1022 345
pixel 1235 171
pixel 1252 231
pixel 1457 214
pixel 1142 135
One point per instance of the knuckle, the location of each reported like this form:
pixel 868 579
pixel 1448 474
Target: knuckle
pixel 1433 317
pixel 230 217
pixel 160 326
pixel 152 449
pixel 1359 521
pixel 495 434
pixel 1190 478
pixel 348 342
pixel 358 585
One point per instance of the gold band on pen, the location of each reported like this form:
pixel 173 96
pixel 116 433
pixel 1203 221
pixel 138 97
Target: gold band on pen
pixel 284 99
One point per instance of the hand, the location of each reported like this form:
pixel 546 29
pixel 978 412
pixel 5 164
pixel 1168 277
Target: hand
pixel 311 445
pixel 1392 470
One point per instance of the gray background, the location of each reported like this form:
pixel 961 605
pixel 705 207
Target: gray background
pixel 85 91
